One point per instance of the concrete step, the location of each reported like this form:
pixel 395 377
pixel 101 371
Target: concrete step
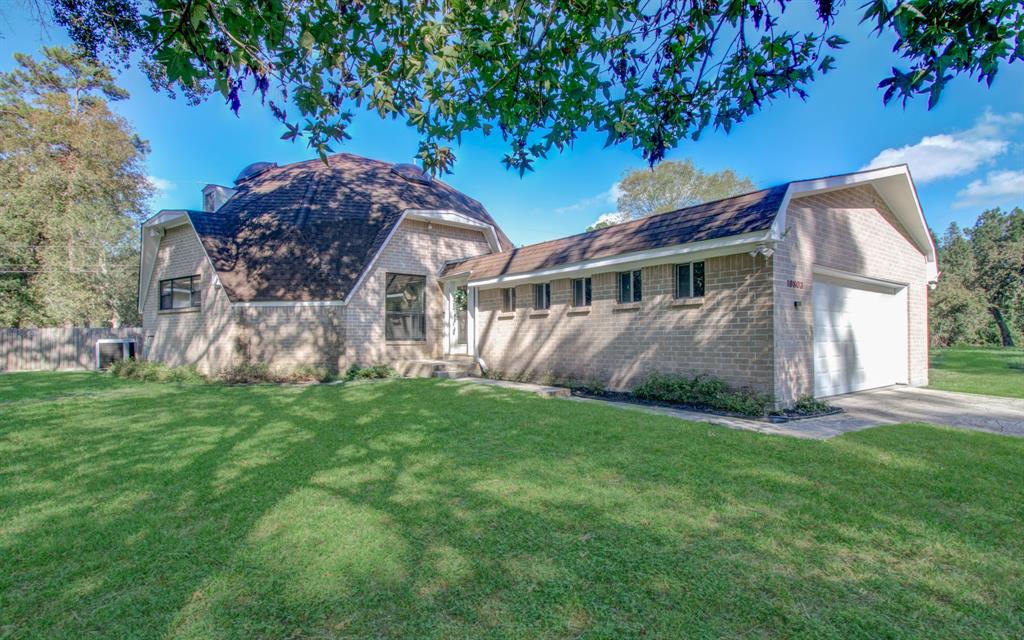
pixel 449 367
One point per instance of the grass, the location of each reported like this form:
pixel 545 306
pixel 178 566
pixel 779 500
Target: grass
pixel 429 509
pixel 994 371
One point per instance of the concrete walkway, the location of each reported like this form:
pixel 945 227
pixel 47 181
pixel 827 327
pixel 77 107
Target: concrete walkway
pixel 864 409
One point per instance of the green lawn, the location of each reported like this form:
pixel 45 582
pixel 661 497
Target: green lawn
pixel 426 509
pixel 994 371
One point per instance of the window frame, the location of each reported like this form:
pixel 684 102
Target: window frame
pixel 542 296
pixel 508 300
pixel 388 314
pixel 636 286
pixel 585 292
pixel 195 295
pixel 691 293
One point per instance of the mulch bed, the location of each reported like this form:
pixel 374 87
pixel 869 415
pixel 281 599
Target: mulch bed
pixel 787 415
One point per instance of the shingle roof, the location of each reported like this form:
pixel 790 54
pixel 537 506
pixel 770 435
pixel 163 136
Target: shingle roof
pixel 306 231
pixel 732 216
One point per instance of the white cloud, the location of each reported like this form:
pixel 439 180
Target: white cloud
pixel 602 199
pixel 953 154
pixel 162 185
pixel 613 217
pixel 997 187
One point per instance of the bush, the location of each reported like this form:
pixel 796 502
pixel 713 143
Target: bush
pixel 154 372
pixel 702 390
pixel 306 373
pixel 811 405
pixel 247 373
pixel 377 371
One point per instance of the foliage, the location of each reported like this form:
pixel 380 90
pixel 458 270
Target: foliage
pixel 409 509
pixel 810 405
pixel 703 391
pixel 377 371
pixel 72 190
pixel 994 371
pixel 247 373
pixel 646 74
pixel 979 298
pixel 147 371
pixel 672 185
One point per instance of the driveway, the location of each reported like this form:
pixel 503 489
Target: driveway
pixel 909 404
pixel 866 409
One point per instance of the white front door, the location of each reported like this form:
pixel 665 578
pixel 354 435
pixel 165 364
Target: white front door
pixel 456 297
pixel 860 336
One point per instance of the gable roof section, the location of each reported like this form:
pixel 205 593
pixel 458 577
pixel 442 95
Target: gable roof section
pixel 307 231
pixel 738 215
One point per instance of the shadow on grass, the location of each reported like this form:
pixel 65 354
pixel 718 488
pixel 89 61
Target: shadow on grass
pixel 420 509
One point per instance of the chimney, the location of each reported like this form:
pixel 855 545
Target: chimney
pixel 214 197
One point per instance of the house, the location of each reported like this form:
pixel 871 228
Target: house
pixel 811 287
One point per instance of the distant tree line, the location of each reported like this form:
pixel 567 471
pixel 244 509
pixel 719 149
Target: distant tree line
pixel 980 295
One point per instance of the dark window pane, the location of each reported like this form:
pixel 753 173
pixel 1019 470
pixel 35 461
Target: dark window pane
pixel 542 296
pixel 625 287
pixel 683 281
pixel 586 285
pixel 698 279
pixel 577 293
pixel 404 306
pixel 637 286
pixel 181 293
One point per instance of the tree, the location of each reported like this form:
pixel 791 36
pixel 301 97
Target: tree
pixel 673 185
pixel 668 186
pixel 998 242
pixel 980 294
pixel 645 73
pixel 72 191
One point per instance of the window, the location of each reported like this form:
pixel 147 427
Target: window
pixel 180 293
pixel 542 296
pixel 630 286
pixel 508 300
pixel 581 292
pixel 405 307
pixel 690 280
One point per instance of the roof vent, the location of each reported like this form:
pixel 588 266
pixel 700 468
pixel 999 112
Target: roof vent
pixel 412 173
pixel 254 170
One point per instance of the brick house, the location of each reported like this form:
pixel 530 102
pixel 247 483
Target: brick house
pixel 811 287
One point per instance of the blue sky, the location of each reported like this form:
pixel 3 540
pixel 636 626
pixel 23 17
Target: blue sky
pixel 966 154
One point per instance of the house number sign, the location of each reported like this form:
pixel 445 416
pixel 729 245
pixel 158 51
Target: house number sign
pixel 795 284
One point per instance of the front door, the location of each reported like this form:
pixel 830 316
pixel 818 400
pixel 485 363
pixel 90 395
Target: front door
pixel 457 325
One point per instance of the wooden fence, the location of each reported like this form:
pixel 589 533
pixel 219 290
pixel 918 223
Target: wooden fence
pixel 57 348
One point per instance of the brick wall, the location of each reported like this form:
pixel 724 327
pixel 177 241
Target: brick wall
pixel 417 248
pixel 850 230
pixel 728 334
pixel 201 337
pixel 218 334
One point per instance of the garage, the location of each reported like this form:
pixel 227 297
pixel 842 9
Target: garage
pixel 860 334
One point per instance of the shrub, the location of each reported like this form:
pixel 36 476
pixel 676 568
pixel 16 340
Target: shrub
pixel 247 373
pixel 307 373
pixel 702 390
pixel 154 372
pixel 810 404
pixel 377 371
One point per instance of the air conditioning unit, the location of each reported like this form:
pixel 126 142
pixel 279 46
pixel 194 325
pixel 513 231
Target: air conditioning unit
pixel 110 350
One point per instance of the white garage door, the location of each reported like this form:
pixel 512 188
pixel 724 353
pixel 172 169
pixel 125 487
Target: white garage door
pixel 860 336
